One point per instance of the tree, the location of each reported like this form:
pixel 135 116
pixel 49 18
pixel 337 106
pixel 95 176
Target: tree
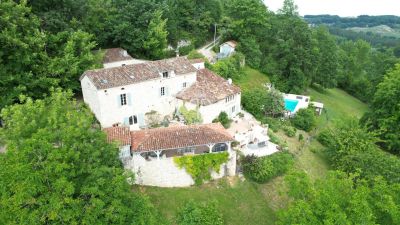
pixel 326 56
pixel 384 117
pixel 289 8
pixel 22 55
pixel 305 119
pixel 59 169
pixel 340 199
pixel 71 55
pixel 352 149
pixel 156 40
pixel 229 67
pixel 261 102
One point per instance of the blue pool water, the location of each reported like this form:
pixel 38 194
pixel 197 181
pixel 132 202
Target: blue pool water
pixel 291 104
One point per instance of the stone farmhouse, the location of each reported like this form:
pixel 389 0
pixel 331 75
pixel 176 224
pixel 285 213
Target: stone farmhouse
pixel 150 153
pixel 130 94
pixel 125 95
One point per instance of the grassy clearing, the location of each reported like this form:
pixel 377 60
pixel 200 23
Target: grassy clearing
pixel 252 78
pixel 337 105
pixel 240 202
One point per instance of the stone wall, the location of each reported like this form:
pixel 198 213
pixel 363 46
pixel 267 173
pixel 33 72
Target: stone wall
pixel 165 173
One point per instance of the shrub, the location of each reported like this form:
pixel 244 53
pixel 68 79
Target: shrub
pixel 199 213
pixel 273 123
pixel 289 131
pixel 305 119
pixel 190 116
pixel 301 137
pixel 185 50
pixel 199 166
pixel 223 119
pixel 263 169
pixel 194 54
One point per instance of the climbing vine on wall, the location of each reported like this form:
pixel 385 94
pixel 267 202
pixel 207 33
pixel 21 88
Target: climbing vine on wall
pixel 200 166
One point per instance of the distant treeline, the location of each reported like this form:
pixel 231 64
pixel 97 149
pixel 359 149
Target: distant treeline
pixel 360 21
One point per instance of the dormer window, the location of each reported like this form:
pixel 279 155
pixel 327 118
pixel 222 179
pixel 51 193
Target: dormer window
pixel 165 75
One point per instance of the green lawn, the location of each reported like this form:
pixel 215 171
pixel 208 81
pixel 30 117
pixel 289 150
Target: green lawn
pixel 239 202
pixel 337 105
pixel 244 202
pixel 252 78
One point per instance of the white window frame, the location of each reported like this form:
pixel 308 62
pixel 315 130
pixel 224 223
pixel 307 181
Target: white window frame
pixel 123 99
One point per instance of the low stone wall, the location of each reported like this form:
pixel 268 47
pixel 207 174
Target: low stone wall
pixel 165 173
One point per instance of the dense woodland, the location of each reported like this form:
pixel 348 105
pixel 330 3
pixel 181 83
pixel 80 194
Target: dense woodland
pixel 59 169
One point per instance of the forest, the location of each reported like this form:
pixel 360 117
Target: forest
pixel 59 168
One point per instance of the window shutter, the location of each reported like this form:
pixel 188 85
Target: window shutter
pixel 141 119
pixel 126 121
pixel 119 100
pixel 129 98
pixel 166 91
pixel 159 92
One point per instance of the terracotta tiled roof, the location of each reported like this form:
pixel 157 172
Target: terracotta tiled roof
pixel 208 89
pixel 178 137
pixel 129 74
pixel 196 60
pixel 231 43
pixel 118 134
pixel 115 55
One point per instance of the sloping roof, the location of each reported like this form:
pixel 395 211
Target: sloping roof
pixel 200 60
pixel 129 74
pixel 118 134
pixel 115 55
pixel 231 43
pixel 208 89
pixel 178 137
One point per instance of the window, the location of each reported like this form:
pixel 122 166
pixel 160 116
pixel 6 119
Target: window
pixel 165 74
pixel 132 120
pixel 220 147
pixel 162 91
pixel 229 98
pixel 233 109
pixel 184 85
pixel 123 99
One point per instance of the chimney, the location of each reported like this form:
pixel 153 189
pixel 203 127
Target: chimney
pixel 177 52
pixel 124 53
pixel 229 81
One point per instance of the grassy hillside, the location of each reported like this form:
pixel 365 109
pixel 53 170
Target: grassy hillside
pixel 252 78
pixel 239 202
pixel 337 105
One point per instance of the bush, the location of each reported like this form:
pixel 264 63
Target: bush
pixel 199 213
pixel 190 116
pixel 301 137
pixel 305 119
pixel 289 131
pixel 185 50
pixel 199 166
pixel 263 169
pixel 194 54
pixel 273 123
pixel 223 119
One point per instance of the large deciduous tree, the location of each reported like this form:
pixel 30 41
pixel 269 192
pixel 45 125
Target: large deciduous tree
pixel 156 40
pixel 59 169
pixel 340 199
pixel 384 117
pixel 22 56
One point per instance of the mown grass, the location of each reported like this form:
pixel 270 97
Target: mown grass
pixel 337 105
pixel 239 202
pixel 251 78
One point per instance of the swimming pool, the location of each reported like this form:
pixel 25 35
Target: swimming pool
pixel 291 104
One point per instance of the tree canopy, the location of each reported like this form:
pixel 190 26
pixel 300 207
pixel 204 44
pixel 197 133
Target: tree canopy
pixel 59 169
